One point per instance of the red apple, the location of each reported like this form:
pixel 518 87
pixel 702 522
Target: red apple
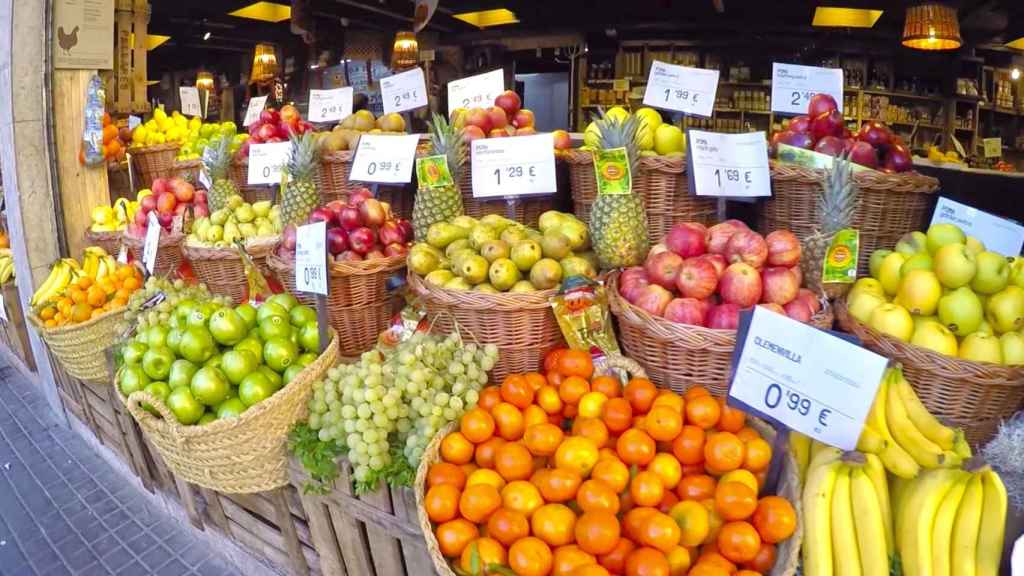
pixel 799 273
pixel 717 260
pixel 480 118
pixel 810 299
pixel 656 249
pixel 687 239
pixel 663 268
pixel 288 237
pixel 183 191
pixel 136 230
pixel 349 218
pixel 470 133
pixel 864 154
pixel 747 246
pixel 798 310
pixel 687 311
pixel 798 139
pixel 497 117
pixel 165 219
pixel 166 203
pixel 200 210
pixel 376 252
pixel 780 286
pixel 199 196
pixel 821 103
pixel 653 299
pixel 359 195
pixel 526 131
pixel 830 145
pixel 898 158
pixel 562 140
pixel 719 235
pixel 800 124
pixel 140 218
pixel 337 241
pixel 390 233
pixel 773 307
pixel 267 131
pixel 305 126
pixel 406 227
pixel 372 212
pixel 361 240
pixel 523 119
pixel 783 248
pixel 875 133
pixel 697 278
pixel 321 215
pixel 395 250
pixel 349 256
pixel 631 274
pixel 827 124
pixel 269 116
pixel 740 285
pixel 147 204
pixel 243 151
pixel 724 317
pixel 509 102
pixel 160 185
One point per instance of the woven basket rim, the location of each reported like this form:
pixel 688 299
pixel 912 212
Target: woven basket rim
pixel 258 245
pixel 482 300
pixel 69 328
pixel 188 163
pixel 675 164
pixel 913 181
pixel 338 156
pixel 166 239
pixel 345 268
pixel 104 235
pixel 154 148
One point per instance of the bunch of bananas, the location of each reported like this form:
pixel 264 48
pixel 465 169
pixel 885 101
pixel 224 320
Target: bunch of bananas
pixel 6 265
pixel 96 264
pixel 114 218
pixel 936 155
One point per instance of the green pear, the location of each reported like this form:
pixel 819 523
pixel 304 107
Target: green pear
pixel 457 283
pixel 526 253
pixel 546 274
pixel 219 217
pixel 1012 345
pixel 918 261
pixel 1017 271
pixel 576 232
pixel 578 266
pixel 550 220
pixel 231 232
pixel 494 249
pixel 954 265
pixel 985 328
pixel 439 277
pixel 889 273
pixel 455 246
pixel 503 274
pixel 247 229
pixel 993 273
pixel 485 287
pixel 1005 310
pixel 912 243
pixel 441 234
pixel 981 348
pixel 513 234
pixel 262 208
pixel 481 233
pixel 960 310
pixel 920 320
pixel 523 286
pixel 245 213
pixel 215 233
pixel 465 221
pixel 473 269
pixel 875 262
pixel 496 221
pixel 944 233
pixel 423 261
pixel 555 245
pixel 935 337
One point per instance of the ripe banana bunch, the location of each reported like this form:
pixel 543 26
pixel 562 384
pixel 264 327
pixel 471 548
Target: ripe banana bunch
pixel 6 265
pixel 112 218
pixel 848 529
pixel 951 523
pixel 64 272
pixel 96 263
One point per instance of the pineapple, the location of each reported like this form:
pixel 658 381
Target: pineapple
pixel 299 194
pixel 217 160
pixel 618 222
pixel 836 203
pixel 440 204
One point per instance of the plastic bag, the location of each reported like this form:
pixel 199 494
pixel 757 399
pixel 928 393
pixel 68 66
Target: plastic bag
pixel 581 308
pixel 92 132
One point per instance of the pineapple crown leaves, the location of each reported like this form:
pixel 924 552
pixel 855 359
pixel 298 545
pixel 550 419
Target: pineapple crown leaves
pixel 838 196
pixel 217 158
pixel 448 141
pixel 304 158
pixel 619 133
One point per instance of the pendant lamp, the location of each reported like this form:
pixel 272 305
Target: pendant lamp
pixel 931 26
pixel 405 52
pixel 264 63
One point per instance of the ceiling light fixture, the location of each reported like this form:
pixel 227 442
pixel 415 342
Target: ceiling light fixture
pixel 830 16
pixel 1015 74
pixel 1017 44
pixel 486 18
pixel 931 27
pixel 265 11
pixel 206 36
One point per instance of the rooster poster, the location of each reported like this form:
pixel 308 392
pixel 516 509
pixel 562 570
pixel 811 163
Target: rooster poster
pixel 83 34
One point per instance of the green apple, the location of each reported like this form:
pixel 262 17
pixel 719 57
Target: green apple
pixel 1017 271
pixel 227 327
pixel 209 386
pixel 1005 310
pixel 894 320
pixel 255 388
pixel 961 311
pixel 920 292
pixel 993 273
pixel 156 362
pixel 282 299
pixel 919 261
pixel 237 364
pixel 944 233
pixel 1012 344
pixel 196 344
pixel 862 304
pixel 875 262
pixel 935 337
pixel 181 373
pixel 954 265
pixel 981 348
pixel 132 353
pixel 132 379
pixel 912 243
pixel 974 246
pixel 158 390
pixel 889 273
pixel 866 285
pixel 230 408
pixel 184 406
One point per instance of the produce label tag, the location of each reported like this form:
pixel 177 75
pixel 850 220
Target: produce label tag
pixel 998 234
pixel 252 113
pixel 840 265
pixel 517 166
pixel 787 372
pixel 404 91
pixel 311 258
pixel 384 158
pixel 266 162
pixel 190 101
pixel 476 91
pixel 993 147
pixel 682 89
pixel 152 243
pixel 432 172
pixel 3 309
pixel 788 154
pixel 133 122
pixel 330 105
pixel 730 165
pixel 612 171
pixel 794 85
pixel 204 179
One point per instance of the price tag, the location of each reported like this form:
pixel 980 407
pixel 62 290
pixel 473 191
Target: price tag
pixel 513 166
pixel 786 371
pixel 133 122
pixel 998 234
pixel 680 88
pixel 311 258
pixel 404 91
pixel 190 101
pixel 384 159
pixel 252 113
pixel 152 243
pixel 793 86
pixel 3 309
pixel 266 161
pixel 476 91
pixel 733 165
pixel 993 147
pixel 330 105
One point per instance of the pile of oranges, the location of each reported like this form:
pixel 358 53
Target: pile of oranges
pixel 567 473
pixel 87 298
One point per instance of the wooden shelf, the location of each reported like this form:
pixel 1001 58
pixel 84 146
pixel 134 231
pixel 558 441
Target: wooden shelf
pixel 921 125
pixel 903 95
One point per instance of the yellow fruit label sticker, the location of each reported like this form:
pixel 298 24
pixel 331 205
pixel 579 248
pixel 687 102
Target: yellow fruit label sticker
pixel 840 265
pixel 611 167
pixel 432 172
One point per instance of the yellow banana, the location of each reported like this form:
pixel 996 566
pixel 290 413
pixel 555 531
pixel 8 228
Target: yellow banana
pixel 870 442
pixel 875 471
pixel 924 451
pixel 58 279
pixel 72 263
pixel 916 517
pixel 824 456
pixel 964 546
pixel 942 531
pixel 943 436
pixel 50 278
pixel 961 447
pixel 817 503
pixel 993 524
pixel 817 448
pixel 895 458
pixel 801 447
pixel 869 522
pixel 846 558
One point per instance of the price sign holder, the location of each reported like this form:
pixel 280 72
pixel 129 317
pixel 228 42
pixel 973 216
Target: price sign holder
pixel 998 234
pixel 3 309
pixel 252 113
pixel 404 91
pixel 733 166
pixel 384 159
pixel 152 243
pixel 506 167
pixel 681 88
pixel 993 147
pixel 330 105
pixel 477 91
pixel 190 104
pixel 793 86
pixel 266 161
pixel 312 269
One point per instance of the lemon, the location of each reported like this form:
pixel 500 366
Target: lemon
pixel 139 135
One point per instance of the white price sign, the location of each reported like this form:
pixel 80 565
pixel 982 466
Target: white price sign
pixel 266 161
pixel 252 113
pixel 190 101
pixel 476 91
pixel 794 85
pixel 152 243
pixel 133 122
pixel 680 88
pixel 311 258
pixel 787 372
pixel 513 166
pixel 3 309
pixel 997 234
pixel 733 165
pixel 330 105
pixel 384 159
pixel 404 91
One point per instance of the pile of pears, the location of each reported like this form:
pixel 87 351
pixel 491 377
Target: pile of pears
pixel 942 290
pixel 496 254
pixel 239 220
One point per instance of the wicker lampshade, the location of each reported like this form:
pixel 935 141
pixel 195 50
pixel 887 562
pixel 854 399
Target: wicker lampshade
pixel 406 51
pixel 204 81
pixel 931 27
pixel 264 63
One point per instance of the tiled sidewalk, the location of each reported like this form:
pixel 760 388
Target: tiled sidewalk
pixel 66 510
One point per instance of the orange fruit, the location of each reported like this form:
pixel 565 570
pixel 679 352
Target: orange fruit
pixel 735 501
pixel 576 363
pixel 578 454
pixel 442 503
pixel 548 399
pixel 131 283
pixel 694 522
pixel 748 434
pixel 509 421
pixel 484 552
pixel 607 385
pixel 696 487
pixel 597 532
pixel 558 484
pixel 530 556
pixel 660 531
pixel 591 570
pixel 517 391
pixel 667 469
pixel 667 501
pixel 572 389
pixel 617 415
pixel 543 439
pixel 95 296
pixel 455 448
pixel 595 495
pixel 477 425
pixel 485 476
pixel 81 312
pixel 612 472
pixel 647 561
pixel 536 380
pixel 506 526
pixel 678 561
pixel 670 399
pixel 635 447
pixel 591 404
pixel 591 428
pixel 732 419
pixel 694 392
pixel 640 393
pixel 663 423
pixel 743 476
pixel 702 568
pixel 764 561
pixel 84 282
pixel 533 414
pixel 489 398
pixel 567 559
pixel 758 455
pixel 485 451
pixel 723 452
pixel 478 501
pixel 551 359
pixel 554 524
pixel 646 489
pixel 703 411
pixel 615 561
pixel 739 542
pixel 775 519
pixel 513 461
pixel 554 379
pixel 454 535
pixel 521 496
pixel 633 521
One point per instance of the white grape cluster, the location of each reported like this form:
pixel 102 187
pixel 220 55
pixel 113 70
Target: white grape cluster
pixel 174 290
pixel 401 398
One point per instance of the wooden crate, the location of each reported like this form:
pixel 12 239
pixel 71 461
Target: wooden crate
pixel 70 392
pixel 126 88
pixel 14 332
pixel 373 534
pixel 157 476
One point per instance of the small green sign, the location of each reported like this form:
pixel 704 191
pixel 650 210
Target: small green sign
pixel 432 172
pixel 612 170
pixel 840 264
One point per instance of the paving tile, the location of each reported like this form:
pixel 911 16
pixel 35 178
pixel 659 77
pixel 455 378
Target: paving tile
pixel 133 569
pixel 172 568
pixel 141 544
pixel 105 544
pixel 11 554
pixel 117 558
pixel 156 557
pixel 194 555
pixel 94 569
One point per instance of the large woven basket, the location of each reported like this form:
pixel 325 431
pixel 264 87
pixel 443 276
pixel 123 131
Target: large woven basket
pixel 975 396
pixel 681 355
pixel 526 209
pixel 79 347
pixel 152 162
pixel 221 268
pixel 888 205
pixel 168 256
pixel 359 304
pixel 109 241
pixel 188 170
pixel 240 176
pixel 241 455
pixel 521 325
pixel 661 182
pixel 332 177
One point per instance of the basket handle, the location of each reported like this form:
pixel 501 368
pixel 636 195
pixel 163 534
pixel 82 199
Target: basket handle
pixel 134 404
pixel 632 367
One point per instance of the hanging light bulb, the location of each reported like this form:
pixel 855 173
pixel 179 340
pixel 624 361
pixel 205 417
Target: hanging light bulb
pixel 1015 74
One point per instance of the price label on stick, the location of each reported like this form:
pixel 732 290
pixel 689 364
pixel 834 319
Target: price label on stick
pixel 3 309
pixel 786 371
pixel 404 91
pixel 311 258
pixel 513 166
pixel 266 161
pixel 133 122
pixel 730 165
pixel 476 91
pixel 794 85
pixel 330 105
pixel 190 101
pixel 997 234
pixel 152 242
pixel 384 159
pixel 680 88
pixel 252 113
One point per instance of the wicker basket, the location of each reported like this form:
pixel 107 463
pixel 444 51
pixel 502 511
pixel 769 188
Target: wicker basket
pixel 152 162
pixel 681 355
pixel 243 455
pixel 332 177
pixel 889 205
pixel 168 256
pixel 526 210
pixel 521 325
pixel 359 304
pixel 79 347
pixel 109 241
pixel 240 176
pixel 975 396
pixel 188 170
pixel 660 181
pixel 221 268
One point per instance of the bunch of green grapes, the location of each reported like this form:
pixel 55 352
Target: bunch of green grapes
pixel 174 290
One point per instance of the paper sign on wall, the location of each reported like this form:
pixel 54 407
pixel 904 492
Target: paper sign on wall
pixel 993 147
pixel 252 112
pixel 681 88
pixel 152 242
pixel 404 91
pixel 794 85
pixel 83 34
pixel 384 159
pixel 997 234
pixel 311 258
pixel 266 161
pixel 729 165
pixel 330 105
pixel 476 91
pixel 513 166
pixel 189 96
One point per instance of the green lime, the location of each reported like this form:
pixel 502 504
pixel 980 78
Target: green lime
pixel 254 345
pixel 237 364
pixel 284 299
pixel 209 386
pixel 132 379
pixel 132 353
pixel 306 358
pixel 274 377
pixel 291 372
pixel 275 327
pixel 181 373
pixel 157 335
pixel 256 387
pixel 207 418
pixel 230 408
pixel 301 315
pixel 174 339
pixel 184 406
pixel 196 344
pixel 248 313
pixel 279 353
pixel 309 337
pixel 227 327
pixel 156 362
pixel 268 309
pixel 158 390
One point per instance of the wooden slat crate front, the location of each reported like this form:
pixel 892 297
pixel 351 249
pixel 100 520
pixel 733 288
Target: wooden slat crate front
pixel 70 391
pixel 14 332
